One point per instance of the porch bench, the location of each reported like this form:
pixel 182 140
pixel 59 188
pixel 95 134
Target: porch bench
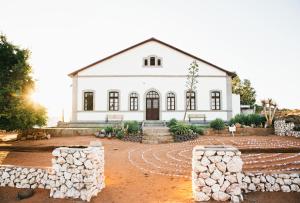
pixel 114 118
pixel 197 116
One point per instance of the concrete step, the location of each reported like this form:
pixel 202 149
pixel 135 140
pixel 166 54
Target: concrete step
pixel 155 130
pixel 157 139
pixel 154 124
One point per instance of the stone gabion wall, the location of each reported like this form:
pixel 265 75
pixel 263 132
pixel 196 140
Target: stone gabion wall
pixel 216 173
pixel 79 172
pixel 282 128
pixel 22 177
pixel 252 182
pixel 75 173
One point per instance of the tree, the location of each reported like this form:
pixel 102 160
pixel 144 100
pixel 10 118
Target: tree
pixel 269 108
pixel 244 89
pixel 17 112
pixel 191 82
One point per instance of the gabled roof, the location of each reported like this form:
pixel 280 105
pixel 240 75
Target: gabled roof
pixel 144 42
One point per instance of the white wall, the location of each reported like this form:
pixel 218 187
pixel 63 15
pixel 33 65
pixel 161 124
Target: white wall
pixel 236 104
pixel 126 73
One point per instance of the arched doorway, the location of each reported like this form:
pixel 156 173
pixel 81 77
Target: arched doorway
pixel 152 106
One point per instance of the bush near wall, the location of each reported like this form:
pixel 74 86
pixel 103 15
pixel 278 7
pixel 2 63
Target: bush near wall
pixel 248 120
pixel 217 124
pixel 184 132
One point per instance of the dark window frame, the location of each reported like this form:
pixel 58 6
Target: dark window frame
pixel 133 102
pixel 152 61
pixel 88 101
pixel 171 101
pixel 113 101
pixel 215 100
pixel 191 100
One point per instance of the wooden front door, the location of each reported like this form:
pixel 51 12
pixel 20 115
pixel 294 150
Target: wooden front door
pixel 152 106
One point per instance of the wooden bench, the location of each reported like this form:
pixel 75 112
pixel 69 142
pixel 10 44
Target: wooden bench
pixel 197 116
pixel 114 118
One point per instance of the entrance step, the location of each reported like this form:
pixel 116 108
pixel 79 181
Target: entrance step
pixel 154 123
pixel 156 135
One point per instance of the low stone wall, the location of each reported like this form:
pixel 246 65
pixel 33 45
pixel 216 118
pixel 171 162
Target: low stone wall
pixel 252 182
pixel 215 171
pixel 285 129
pixel 246 131
pixel 75 173
pixel 79 172
pixel 25 177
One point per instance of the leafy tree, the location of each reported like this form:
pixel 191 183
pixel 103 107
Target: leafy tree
pixel 245 90
pixel 17 112
pixel 191 82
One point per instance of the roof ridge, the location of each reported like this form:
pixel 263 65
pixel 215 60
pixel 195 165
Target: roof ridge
pixel 146 41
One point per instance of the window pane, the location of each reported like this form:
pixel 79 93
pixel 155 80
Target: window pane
pixel 158 62
pixel 146 62
pixel 152 61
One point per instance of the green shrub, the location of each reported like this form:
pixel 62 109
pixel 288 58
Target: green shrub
pixel 120 134
pixel 108 129
pixel 180 129
pixel 172 122
pixel 132 127
pixel 196 129
pixel 248 120
pixel 217 124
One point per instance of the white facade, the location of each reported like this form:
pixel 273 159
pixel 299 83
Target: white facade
pixel 125 73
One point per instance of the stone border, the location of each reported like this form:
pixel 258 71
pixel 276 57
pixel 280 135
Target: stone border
pixel 75 173
pixel 217 173
pixel 285 129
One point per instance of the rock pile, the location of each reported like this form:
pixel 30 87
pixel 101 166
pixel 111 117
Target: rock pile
pixel 77 172
pixel 21 177
pixel 285 129
pixel 252 182
pixel 216 173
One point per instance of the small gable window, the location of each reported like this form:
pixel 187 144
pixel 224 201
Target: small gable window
pixel 152 61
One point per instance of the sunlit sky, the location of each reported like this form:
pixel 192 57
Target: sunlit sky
pixel 260 40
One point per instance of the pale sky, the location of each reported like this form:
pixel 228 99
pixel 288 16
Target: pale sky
pixel 260 40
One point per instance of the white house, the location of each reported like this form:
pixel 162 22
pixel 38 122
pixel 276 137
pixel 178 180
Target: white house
pixel 147 82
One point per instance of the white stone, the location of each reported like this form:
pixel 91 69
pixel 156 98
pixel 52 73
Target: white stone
pixel 285 188
pixel 297 181
pixel 216 175
pixel 215 188
pixel 235 164
pixel 255 180
pixel 221 166
pixel 77 162
pixel 220 196
pixel 234 189
pixel 206 189
pixel 221 153
pixel 201 196
pixel 215 159
pixel 205 161
pixel 279 181
pixel 262 179
pixel 200 169
pixel 226 159
pixel 294 188
pixel 61 160
pixel 67 175
pixel 230 153
pixel 209 153
pixel 76 155
pixel 287 181
pixel 252 187
pixel 270 179
pixel 211 167
pixel 88 164
pixel 231 178
pixel 199 182
pixel 56 152
pixel 225 185
pixel 210 181
pixel 204 175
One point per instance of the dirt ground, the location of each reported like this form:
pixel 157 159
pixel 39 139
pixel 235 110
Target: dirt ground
pixel 137 172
